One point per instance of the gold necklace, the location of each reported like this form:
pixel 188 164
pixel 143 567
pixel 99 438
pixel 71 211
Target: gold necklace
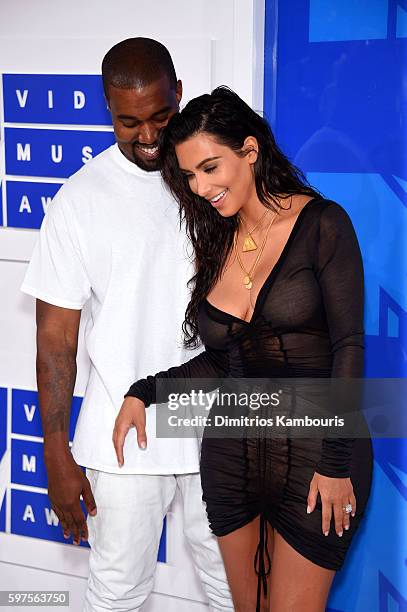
pixel 249 275
pixel 249 243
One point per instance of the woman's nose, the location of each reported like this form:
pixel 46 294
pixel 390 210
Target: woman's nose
pixel 202 187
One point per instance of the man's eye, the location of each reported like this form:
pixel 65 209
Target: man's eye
pixel 161 118
pixel 129 125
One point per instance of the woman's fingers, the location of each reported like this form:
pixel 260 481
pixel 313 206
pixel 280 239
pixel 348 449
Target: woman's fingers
pixel 140 424
pixel 326 515
pixel 352 499
pixel 339 515
pixel 336 494
pixel 119 435
pixel 312 496
pixel 132 414
pixel 346 517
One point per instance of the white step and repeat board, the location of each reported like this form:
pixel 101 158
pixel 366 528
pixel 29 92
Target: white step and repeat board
pixel 53 120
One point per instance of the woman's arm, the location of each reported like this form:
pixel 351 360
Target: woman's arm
pixel 340 276
pixel 209 366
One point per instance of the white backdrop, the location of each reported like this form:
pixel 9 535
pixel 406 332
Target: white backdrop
pixel 212 42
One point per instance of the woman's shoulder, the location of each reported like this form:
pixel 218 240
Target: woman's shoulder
pixel 328 212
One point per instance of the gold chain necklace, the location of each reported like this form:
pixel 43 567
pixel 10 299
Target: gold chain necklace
pixel 249 274
pixel 249 243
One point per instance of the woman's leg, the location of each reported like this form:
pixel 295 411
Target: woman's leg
pixel 297 584
pixel 239 551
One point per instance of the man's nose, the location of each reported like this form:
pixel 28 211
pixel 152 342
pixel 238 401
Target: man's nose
pixel 147 134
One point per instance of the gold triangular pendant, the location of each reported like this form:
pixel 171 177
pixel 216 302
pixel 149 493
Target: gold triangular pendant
pixel 249 244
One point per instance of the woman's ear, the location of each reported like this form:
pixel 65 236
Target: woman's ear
pixel 251 149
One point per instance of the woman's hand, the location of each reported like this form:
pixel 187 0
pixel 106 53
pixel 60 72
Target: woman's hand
pixel 132 414
pixel 335 494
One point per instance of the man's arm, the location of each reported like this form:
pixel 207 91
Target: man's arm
pixel 57 343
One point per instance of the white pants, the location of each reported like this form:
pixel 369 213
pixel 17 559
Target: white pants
pixel 124 538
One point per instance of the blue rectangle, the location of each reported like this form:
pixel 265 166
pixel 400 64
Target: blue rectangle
pixel 55 98
pixel 25 413
pixel 51 153
pixel 27 464
pixel 31 516
pixel 27 202
pixel 335 20
pixel 3 421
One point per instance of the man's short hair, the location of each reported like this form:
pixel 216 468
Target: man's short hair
pixel 135 63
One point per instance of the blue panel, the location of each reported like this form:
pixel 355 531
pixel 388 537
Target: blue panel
pixel 368 199
pixel 335 92
pixel 27 202
pixel 31 515
pixel 51 153
pixel 401 22
pixel 55 99
pixel 335 97
pixel 347 20
pixel 27 464
pixel 26 418
pixel 3 421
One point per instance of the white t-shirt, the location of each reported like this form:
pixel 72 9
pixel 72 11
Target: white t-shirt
pixel 111 236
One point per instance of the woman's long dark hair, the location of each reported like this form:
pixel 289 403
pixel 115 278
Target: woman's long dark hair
pixel 228 119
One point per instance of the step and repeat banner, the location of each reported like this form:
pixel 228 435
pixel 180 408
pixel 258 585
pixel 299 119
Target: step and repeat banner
pixel 55 152
pixel 335 92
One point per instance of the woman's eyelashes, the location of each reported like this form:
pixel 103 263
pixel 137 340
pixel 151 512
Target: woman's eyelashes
pixel 208 170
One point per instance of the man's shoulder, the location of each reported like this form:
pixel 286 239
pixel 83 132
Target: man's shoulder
pixel 89 179
pixel 93 168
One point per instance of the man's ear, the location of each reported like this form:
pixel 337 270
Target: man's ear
pixel 178 91
pixel 251 149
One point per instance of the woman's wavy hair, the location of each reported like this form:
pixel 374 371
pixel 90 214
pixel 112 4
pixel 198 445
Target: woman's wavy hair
pixel 229 120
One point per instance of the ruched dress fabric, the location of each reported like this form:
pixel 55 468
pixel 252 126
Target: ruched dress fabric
pixel 307 322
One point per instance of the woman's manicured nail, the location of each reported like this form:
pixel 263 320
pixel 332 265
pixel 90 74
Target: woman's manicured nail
pixel 308 509
pixel 143 445
pixel 340 534
pixel 326 533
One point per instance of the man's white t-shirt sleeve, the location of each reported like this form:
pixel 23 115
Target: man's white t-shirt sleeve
pixel 56 273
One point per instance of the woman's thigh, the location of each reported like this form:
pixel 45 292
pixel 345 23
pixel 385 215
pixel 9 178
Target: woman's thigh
pixel 297 584
pixel 238 551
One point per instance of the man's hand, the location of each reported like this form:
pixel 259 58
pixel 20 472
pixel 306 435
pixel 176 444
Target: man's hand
pixel 66 482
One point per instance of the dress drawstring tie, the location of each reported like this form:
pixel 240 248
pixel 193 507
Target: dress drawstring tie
pixel 262 570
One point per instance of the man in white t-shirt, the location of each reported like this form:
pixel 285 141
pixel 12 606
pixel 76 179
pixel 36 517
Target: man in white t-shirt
pixel 111 237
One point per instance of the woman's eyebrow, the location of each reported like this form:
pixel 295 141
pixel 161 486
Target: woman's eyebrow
pixel 201 163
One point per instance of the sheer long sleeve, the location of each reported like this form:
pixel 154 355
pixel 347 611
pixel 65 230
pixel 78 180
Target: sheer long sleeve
pixel 209 366
pixel 340 276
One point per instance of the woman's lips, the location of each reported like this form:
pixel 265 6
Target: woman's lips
pixel 219 201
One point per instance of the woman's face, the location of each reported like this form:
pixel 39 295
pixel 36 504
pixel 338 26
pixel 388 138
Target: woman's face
pixel 215 172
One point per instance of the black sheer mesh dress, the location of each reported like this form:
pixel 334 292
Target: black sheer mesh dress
pixel 307 322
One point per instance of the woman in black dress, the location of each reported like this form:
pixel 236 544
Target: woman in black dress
pixel 278 292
